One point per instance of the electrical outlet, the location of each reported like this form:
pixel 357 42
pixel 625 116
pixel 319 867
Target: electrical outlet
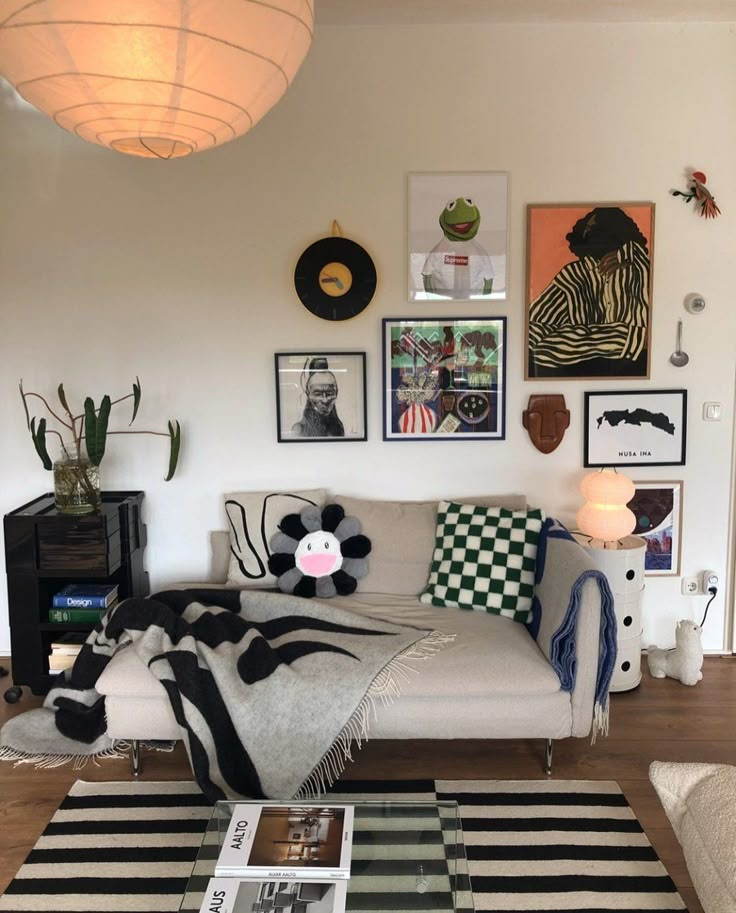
pixel 690 586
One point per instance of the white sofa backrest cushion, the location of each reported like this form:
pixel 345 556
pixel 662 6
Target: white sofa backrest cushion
pixel 220 555
pixel 402 535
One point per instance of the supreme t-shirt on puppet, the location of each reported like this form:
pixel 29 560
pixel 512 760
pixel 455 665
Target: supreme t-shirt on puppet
pixel 458 269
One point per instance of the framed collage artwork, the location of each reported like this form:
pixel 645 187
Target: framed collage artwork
pixel 458 236
pixel 589 291
pixel 320 396
pixel 657 507
pixel 444 379
pixel 635 428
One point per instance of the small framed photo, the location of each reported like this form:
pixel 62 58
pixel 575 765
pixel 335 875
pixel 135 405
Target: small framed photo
pixel 589 290
pixel 635 428
pixel 320 396
pixel 444 379
pixel 657 507
pixel 458 236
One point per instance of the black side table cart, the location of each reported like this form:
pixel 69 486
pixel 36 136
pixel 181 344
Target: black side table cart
pixel 46 549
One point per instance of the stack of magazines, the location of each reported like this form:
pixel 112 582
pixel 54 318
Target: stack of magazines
pixel 283 859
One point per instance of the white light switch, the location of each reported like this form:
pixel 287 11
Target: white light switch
pixel 711 412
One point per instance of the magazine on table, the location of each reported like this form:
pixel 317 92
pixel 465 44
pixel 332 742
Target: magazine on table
pixel 231 895
pixel 287 842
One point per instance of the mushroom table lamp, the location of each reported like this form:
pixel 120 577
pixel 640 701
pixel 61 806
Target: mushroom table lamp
pixel 604 516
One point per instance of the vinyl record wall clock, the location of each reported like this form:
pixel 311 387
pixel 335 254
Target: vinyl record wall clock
pixel 335 278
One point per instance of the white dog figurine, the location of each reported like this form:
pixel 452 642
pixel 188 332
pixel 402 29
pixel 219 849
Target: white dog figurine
pixel 685 661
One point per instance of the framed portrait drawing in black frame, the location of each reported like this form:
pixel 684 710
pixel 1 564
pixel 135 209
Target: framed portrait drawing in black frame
pixel 635 428
pixel 320 396
pixel 444 379
pixel 589 290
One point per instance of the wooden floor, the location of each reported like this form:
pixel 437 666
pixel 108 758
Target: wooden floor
pixel 660 720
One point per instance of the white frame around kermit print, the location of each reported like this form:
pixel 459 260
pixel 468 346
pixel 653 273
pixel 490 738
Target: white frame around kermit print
pixel 447 260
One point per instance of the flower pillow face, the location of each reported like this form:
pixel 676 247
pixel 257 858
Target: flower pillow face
pixel 485 559
pixel 319 552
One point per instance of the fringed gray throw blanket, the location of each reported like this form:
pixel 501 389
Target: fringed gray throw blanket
pixel 270 689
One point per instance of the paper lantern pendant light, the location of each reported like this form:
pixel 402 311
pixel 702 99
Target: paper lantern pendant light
pixel 154 78
pixel 605 515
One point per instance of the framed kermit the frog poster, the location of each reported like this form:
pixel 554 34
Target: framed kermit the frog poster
pixel 458 236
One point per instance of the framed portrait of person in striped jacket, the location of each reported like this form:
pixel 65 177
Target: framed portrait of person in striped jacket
pixel 589 290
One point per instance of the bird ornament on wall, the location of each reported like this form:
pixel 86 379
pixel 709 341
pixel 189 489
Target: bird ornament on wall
pixel 699 192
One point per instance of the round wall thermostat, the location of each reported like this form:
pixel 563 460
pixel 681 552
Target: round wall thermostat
pixel 695 303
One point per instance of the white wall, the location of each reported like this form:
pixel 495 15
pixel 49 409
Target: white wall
pixel 181 272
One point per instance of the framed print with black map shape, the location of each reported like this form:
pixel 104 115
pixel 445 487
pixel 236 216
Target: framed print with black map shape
pixel 320 396
pixel 589 290
pixel 444 379
pixel 635 428
pixel 657 507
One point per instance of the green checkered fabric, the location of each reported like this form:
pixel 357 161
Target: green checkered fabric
pixel 485 558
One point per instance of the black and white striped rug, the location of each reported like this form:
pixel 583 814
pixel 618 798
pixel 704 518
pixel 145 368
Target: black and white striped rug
pixel 530 846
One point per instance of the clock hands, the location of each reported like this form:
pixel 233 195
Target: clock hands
pixel 334 279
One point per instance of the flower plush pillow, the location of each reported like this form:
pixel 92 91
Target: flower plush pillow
pixel 485 558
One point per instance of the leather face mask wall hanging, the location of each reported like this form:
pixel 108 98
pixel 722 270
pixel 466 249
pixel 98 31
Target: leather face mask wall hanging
pixel 546 418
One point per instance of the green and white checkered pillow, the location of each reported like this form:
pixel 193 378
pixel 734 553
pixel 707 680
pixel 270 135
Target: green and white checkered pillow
pixel 485 558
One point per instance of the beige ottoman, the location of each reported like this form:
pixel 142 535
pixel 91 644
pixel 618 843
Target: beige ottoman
pixel 700 801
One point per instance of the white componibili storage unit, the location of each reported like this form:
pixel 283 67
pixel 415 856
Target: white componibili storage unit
pixel 624 569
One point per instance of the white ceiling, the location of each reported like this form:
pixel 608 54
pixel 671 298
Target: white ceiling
pixel 415 12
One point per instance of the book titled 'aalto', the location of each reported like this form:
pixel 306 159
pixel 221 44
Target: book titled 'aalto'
pixel 287 843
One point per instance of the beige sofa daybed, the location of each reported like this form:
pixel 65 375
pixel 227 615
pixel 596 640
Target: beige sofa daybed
pixel 494 681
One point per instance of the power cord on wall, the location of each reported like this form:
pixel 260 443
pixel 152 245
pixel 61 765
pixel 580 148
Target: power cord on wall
pixel 713 590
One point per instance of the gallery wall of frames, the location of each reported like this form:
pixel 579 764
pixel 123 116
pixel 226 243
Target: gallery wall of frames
pixel 412 279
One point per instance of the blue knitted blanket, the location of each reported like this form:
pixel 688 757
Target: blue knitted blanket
pixel 563 569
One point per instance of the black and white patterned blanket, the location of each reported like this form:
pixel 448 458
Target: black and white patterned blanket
pixel 270 690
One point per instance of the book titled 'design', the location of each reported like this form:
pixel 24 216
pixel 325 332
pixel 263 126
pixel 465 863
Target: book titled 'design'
pixel 287 843
pixel 85 596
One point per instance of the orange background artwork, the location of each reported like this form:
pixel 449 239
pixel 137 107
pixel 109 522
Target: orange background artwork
pixel 547 247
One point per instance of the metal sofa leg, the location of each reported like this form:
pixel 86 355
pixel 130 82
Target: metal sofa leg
pixel 136 755
pixel 548 757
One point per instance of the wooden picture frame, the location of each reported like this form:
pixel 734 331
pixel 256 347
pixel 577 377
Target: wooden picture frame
pixel 320 396
pixel 444 379
pixel 589 291
pixel 657 507
pixel 635 428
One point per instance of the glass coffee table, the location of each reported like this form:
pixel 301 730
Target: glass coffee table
pixel 406 856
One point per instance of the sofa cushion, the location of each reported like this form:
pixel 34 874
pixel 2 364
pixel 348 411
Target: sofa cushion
pixel 402 535
pixel 253 518
pixel 700 801
pixel 485 558
pixel 508 689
